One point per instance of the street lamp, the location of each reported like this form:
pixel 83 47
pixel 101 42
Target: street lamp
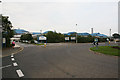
pixel 76 34
pixel 41 32
pixel 110 33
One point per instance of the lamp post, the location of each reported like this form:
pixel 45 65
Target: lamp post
pixel 110 34
pixel 41 32
pixel 76 34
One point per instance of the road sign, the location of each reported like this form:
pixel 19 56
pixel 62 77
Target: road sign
pixel 66 38
pixel 4 40
pixel 73 38
pixel 42 38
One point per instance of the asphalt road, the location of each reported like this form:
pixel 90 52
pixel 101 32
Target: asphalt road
pixel 60 60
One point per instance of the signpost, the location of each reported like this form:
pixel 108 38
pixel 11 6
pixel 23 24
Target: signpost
pixel 42 38
pixel 67 38
pixel 4 40
pixel 73 38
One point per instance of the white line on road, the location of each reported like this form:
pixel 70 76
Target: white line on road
pixel 12 59
pixel 5 66
pixel 15 64
pixel 12 55
pixel 19 72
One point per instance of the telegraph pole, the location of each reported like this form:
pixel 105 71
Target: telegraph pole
pixel 41 32
pixel 110 33
pixel 76 33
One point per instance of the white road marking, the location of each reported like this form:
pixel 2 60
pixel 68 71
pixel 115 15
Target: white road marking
pixel 12 55
pixel 15 64
pixel 19 72
pixel 12 59
pixel 5 66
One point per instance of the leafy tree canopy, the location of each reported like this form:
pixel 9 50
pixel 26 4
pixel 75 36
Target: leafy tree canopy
pixel 115 35
pixel 27 37
pixel 54 37
pixel 7 29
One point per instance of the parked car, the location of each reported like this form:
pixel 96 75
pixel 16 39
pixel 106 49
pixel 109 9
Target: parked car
pixel 117 40
pixel 36 42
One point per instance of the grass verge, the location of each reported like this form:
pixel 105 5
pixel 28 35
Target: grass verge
pixel 108 50
pixel 39 44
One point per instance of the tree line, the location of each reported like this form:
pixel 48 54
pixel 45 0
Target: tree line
pixel 54 37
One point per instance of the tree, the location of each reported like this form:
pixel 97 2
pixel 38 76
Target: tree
pixel 7 30
pixel 27 37
pixel 115 35
pixel 54 37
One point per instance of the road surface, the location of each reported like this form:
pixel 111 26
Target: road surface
pixel 60 60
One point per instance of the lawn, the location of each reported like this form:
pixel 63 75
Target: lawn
pixel 108 50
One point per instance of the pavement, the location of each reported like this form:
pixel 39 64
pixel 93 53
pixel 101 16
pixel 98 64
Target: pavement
pixel 61 60
pixel 10 50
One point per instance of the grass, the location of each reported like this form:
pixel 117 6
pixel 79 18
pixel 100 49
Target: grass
pixel 108 50
pixel 39 44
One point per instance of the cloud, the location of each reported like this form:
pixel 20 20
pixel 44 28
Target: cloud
pixel 62 16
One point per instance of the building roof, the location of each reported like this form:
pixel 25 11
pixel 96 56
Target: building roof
pixel 36 33
pixel 69 33
pixel 46 32
pixel 98 34
pixel 83 34
pixel 20 31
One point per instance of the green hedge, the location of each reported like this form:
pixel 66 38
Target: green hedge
pixel 54 37
pixel 85 39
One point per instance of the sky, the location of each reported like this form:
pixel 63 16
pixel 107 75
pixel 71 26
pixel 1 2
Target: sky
pixel 62 16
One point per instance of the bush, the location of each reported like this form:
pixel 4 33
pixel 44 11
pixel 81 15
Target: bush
pixel 54 37
pixel 102 39
pixel 27 37
pixel 85 39
pixel 89 39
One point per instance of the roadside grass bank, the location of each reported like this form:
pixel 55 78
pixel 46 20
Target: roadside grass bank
pixel 108 50
pixel 39 44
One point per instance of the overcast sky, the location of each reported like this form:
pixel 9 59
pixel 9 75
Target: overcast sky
pixel 63 16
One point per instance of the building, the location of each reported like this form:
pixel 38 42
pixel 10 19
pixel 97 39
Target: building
pixel 79 34
pixel 99 35
pixel 18 33
pixel 71 33
pixel 35 34
pixel 83 34
pixel 87 34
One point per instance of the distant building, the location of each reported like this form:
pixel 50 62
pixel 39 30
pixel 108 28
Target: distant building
pixel 16 37
pixel 99 35
pixel 79 34
pixel 35 34
pixel 20 31
pixel 83 34
pixel 87 34
pixel 71 33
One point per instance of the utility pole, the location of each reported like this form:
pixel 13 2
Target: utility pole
pixel 76 33
pixel 110 33
pixel 41 32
